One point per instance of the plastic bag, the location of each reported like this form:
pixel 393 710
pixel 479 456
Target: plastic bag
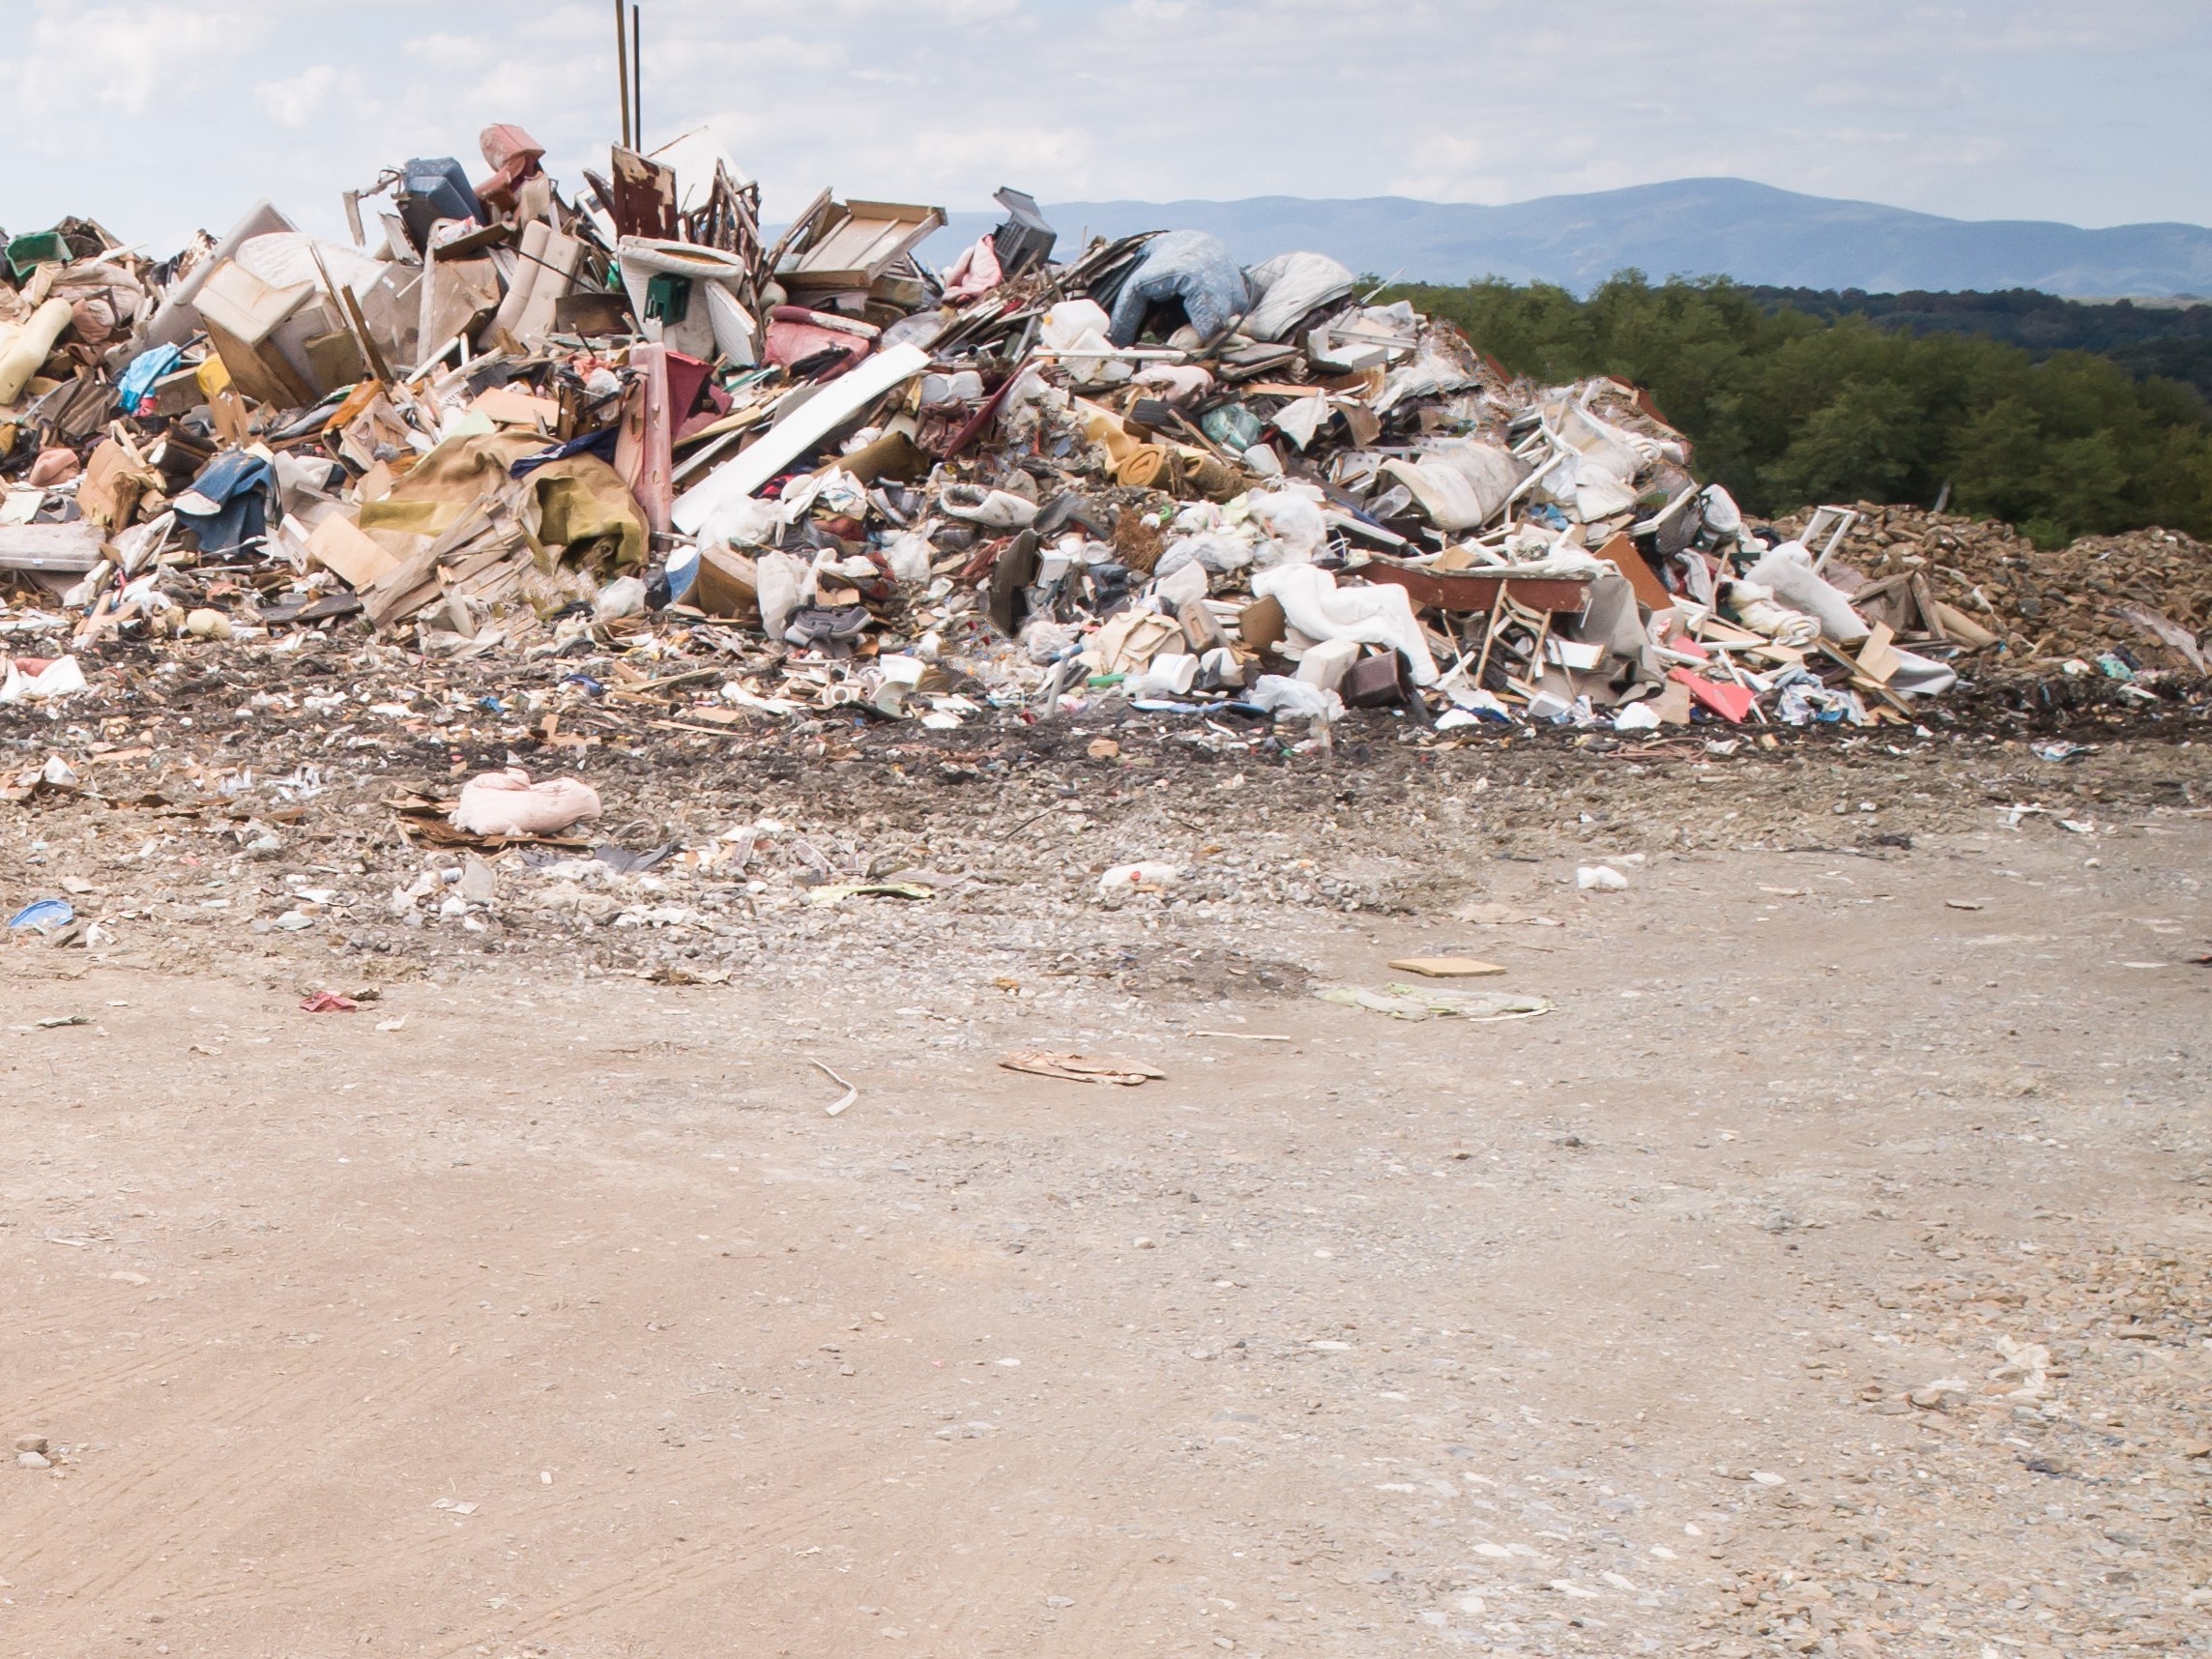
pixel 508 803
pixel 1221 554
pixel 58 679
pixel 742 521
pixel 1289 285
pixel 908 554
pixel 779 578
pixel 1316 607
pixel 1462 485
pixel 624 596
pixel 1280 694
pixel 1292 519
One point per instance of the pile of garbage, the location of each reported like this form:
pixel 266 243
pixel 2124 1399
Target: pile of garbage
pixel 2143 598
pixel 812 475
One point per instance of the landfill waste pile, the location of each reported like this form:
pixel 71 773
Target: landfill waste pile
pixel 622 438
pixel 2141 599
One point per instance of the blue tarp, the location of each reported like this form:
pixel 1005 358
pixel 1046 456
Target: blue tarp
pixel 1187 265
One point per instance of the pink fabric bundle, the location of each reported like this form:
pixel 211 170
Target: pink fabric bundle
pixel 508 803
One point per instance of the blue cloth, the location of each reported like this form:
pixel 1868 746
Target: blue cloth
pixel 600 444
pixel 237 484
pixel 137 381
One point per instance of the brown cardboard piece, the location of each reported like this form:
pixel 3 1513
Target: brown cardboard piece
pixel 1963 628
pixel 1260 626
pixel 512 408
pixel 341 546
pixel 114 480
pixel 727 584
pixel 1445 967
pixel 1877 659
pixel 1621 554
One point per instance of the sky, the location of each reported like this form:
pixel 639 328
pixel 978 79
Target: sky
pixel 159 118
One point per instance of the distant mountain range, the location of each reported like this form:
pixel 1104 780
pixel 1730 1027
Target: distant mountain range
pixel 1690 227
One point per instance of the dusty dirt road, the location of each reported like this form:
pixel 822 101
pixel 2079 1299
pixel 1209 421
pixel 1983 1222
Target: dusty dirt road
pixel 1825 1273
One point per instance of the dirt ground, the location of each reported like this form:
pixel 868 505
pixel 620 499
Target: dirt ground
pixel 1828 1271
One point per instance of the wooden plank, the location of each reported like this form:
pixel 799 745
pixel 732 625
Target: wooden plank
pixel 1621 554
pixel 1457 592
pixel 394 595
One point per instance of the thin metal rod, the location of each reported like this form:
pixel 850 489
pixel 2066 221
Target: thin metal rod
pixel 636 81
pixel 621 72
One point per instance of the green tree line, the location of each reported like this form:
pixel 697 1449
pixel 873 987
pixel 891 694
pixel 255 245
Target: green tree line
pixel 2144 339
pixel 1787 408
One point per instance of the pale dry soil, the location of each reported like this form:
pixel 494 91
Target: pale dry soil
pixel 538 1310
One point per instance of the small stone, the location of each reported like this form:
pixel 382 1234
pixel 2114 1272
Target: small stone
pixel 31 1443
pixel 32 1460
pixel 478 882
pixel 1141 1242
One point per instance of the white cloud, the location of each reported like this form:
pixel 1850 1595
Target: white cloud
pixel 296 102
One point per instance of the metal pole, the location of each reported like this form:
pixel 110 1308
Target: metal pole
pixel 621 72
pixel 637 81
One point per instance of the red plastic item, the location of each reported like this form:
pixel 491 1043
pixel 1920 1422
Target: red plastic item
pixel 328 1003
pixel 1729 701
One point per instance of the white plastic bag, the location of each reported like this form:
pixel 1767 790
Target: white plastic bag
pixel 1316 607
pixel 908 555
pixel 779 578
pixel 743 521
pixel 1292 519
pixel 60 678
pixel 1280 694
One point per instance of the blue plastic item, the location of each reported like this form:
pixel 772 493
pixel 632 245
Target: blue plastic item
pixel 683 572
pixel 44 913
pixel 431 190
pixel 137 383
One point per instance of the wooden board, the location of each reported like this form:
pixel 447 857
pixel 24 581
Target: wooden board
pixel 1621 554
pixel 1454 591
